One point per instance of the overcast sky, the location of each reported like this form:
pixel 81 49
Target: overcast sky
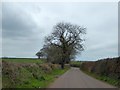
pixel 24 26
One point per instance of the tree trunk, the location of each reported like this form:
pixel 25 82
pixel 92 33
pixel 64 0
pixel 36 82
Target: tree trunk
pixel 63 62
pixel 38 57
pixel 62 65
pixel 63 56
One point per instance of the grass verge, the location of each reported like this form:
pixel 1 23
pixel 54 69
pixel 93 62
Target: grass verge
pixel 106 79
pixel 47 79
pixel 52 76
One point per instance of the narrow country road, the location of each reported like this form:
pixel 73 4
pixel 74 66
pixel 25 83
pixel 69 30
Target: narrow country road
pixel 74 78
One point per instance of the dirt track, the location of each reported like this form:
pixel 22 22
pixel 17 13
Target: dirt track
pixel 74 78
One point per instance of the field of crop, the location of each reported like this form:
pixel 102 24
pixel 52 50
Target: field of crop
pixel 24 60
pixel 29 73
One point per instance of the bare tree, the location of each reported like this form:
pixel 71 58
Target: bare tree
pixel 68 38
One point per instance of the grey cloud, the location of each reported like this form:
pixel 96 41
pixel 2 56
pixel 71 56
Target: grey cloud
pixel 32 21
pixel 21 48
pixel 15 23
pixel 99 53
pixel 22 37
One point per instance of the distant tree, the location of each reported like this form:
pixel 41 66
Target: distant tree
pixel 39 54
pixel 65 42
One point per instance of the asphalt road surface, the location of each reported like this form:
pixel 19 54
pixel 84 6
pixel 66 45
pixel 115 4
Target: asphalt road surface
pixel 74 78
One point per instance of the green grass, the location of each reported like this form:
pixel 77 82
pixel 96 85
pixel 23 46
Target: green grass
pixel 75 63
pixel 24 60
pixel 106 79
pixel 49 78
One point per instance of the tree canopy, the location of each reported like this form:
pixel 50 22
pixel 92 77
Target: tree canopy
pixel 64 43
